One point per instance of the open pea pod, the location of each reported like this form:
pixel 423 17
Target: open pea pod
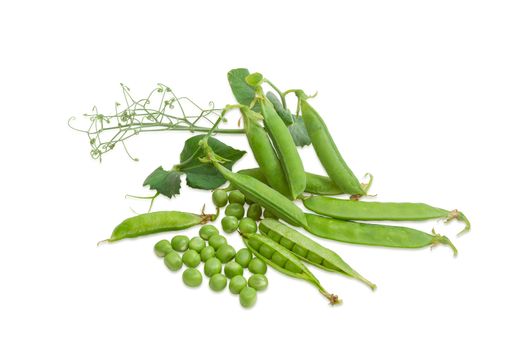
pixel 378 211
pixel 308 250
pixel 281 259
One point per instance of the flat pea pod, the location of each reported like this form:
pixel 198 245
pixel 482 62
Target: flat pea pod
pixel 378 211
pixel 264 152
pixel 285 148
pixel 327 151
pixel 292 266
pixel 315 184
pixel 160 221
pixel 267 197
pixel 373 234
pixel 314 253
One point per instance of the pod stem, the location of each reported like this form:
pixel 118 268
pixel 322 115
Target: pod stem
pixel 208 217
pixel 455 214
pixel 439 239
pixel 332 298
pixel 99 243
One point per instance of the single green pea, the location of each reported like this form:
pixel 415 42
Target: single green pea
pixel 192 277
pixel 248 297
pixel 269 215
pixel 173 261
pixel 298 250
pixel 180 243
pixel 314 258
pixel 254 211
pixel 207 231
pixel 207 253
pixel 266 251
pixel 243 257
pixel 255 244
pixel 259 282
pixel 235 209
pixel 237 283
pixel 220 198
pixel 257 266
pixel 290 266
pixel 191 258
pixel 212 267
pixel 225 253
pixel 229 224
pixel 236 197
pixel 247 225
pixel 197 244
pixel 276 237
pixel 218 282
pixel 286 243
pixel 162 248
pixel 233 269
pixel 217 241
pixel 278 259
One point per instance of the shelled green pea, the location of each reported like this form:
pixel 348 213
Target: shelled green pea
pixel 235 209
pixel 180 243
pixel 207 253
pixel 192 277
pixel 248 297
pixel 191 258
pixel 197 244
pixel 173 261
pixel 229 224
pixel 243 257
pixel 162 248
pixel 237 284
pixel 236 196
pixel 220 198
pixel 218 282
pixel 207 231
pixel 254 211
pixel 247 225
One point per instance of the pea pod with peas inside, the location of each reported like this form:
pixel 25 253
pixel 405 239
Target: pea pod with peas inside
pixel 373 234
pixel 283 260
pixel 155 222
pixel 263 151
pixel 326 149
pixel 308 250
pixel 285 147
pixel 262 194
pixel 315 184
pixel 378 211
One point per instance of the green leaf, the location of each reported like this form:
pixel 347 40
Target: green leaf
pixel 285 114
pixel 243 92
pixel 204 175
pixel 165 182
pixel 299 132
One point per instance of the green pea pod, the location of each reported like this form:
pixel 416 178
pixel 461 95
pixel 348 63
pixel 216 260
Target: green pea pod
pixel 315 184
pixel 290 266
pixel 373 234
pixel 327 151
pixel 263 152
pixel 160 221
pixel 267 197
pixel 378 211
pixel 285 148
pixel 308 250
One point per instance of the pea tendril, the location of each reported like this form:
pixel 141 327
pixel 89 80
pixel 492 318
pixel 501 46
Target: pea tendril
pixel 161 110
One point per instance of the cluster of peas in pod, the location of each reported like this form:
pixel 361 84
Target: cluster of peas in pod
pixel 222 264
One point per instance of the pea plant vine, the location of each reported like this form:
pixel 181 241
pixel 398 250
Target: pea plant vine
pixel 163 111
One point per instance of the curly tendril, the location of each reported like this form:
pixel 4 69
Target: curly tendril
pixel 161 110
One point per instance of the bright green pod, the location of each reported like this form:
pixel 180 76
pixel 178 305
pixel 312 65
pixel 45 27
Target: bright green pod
pixel 160 221
pixel 315 184
pixel 327 151
pixel 264 152
pixel 292 267
pixel 314 253
pixel 373 234
pixel 378 211
pixel 267 197
pixel 285 149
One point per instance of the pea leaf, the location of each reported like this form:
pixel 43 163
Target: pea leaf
pixel 165 182
pixel 243 92
pixel 204 175
pixel 278 106
pixel 299 132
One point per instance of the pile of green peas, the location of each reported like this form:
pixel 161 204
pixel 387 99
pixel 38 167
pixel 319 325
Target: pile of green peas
pixel 220 262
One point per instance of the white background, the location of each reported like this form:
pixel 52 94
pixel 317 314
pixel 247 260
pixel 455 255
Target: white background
pixel 414 92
